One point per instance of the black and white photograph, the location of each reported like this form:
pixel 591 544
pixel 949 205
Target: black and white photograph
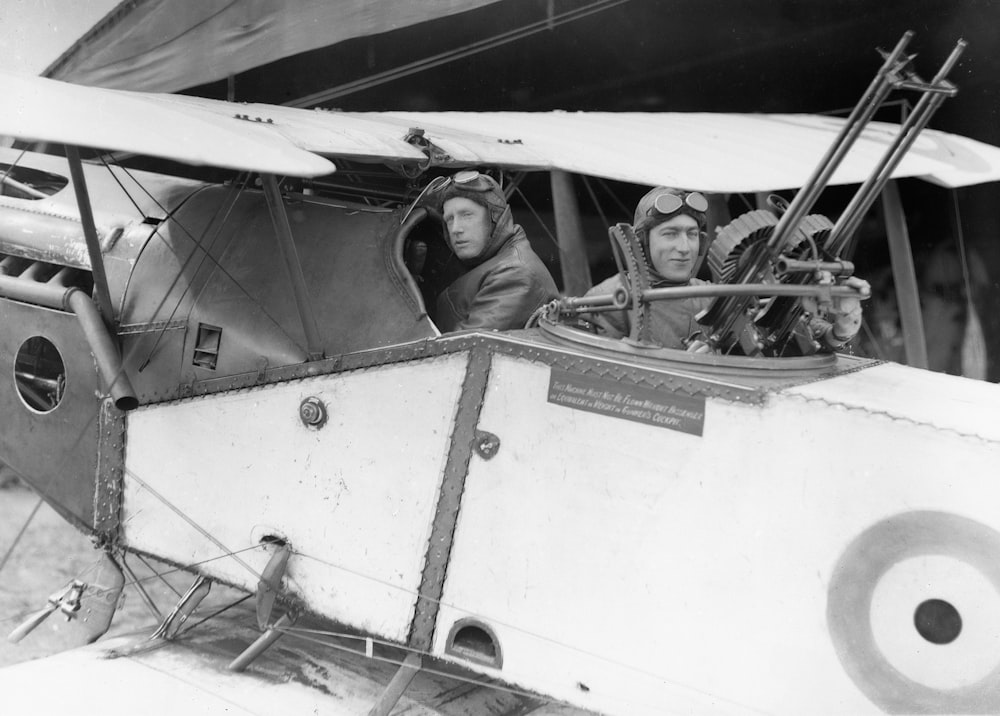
pixel 499 357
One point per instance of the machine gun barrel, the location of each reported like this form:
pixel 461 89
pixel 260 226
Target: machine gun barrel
pixel 785 265
pixel 862 113
pixel 599 303
pixel 933 95
pixel 723 317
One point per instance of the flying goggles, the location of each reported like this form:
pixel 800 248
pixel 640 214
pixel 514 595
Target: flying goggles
pixel 466 180
pixel 668 202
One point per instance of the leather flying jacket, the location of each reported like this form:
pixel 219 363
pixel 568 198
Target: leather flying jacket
pixel 500 291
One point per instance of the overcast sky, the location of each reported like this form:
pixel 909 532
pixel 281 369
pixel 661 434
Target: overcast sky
pixel 33 33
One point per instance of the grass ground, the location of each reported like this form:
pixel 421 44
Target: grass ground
pixel 47 556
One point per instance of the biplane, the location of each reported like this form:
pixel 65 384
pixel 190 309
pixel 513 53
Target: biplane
pixel 238 373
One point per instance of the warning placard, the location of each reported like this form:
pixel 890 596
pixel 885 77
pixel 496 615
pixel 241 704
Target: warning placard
pixel 664 409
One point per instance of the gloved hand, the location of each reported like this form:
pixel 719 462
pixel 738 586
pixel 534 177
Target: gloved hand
pixel 696 345
pixel 845 313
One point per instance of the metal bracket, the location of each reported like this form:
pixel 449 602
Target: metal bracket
pixel 90 605
pixel 67 600
pixel 270 584
pixel 179 614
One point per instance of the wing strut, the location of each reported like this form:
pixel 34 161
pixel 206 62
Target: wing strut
pixel 572 249
pixel 290 256
pixel 397 685
pixel 905 277
pixel 265 640
pixel 90 234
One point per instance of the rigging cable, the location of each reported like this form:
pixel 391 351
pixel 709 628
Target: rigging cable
pixel 452 55
pixel 180 513
pixel 538 218
pixel 974 360
pixel 189 627
pixel 143 594
pixel 100 593
pixel 604 220
pixel 148 566
pixel 306 635
pixel 621 205
pixel 508 625
pixel 20 534
pixel 200 244
pixel 9 169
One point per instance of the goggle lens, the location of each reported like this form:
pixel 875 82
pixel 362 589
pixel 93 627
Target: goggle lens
pixel 668 203
pixel 466 176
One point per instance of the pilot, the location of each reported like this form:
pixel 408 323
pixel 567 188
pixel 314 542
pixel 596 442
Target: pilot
pixel 671 225
pixel 505 281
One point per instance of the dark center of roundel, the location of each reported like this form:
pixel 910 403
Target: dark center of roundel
pixel 937 621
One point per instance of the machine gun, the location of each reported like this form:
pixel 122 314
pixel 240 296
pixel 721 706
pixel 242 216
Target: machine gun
pixel 795 248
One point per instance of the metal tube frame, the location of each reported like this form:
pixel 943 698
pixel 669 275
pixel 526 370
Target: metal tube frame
pixel 905 278
pixel 90 234
pixel 102 345
pixel 286 245
pixel 611 302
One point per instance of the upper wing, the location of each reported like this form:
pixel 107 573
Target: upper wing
pixel 38 109
pixel 710 152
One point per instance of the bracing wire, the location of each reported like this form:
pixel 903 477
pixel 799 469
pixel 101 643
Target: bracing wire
pixel 459 53
pixel 604 221
pixel 621 205
pixel 493 620
pixel 20 534
pixel 232 605
pixel 313 636
pixel 12 166
pixel 538 218
pixel 291 630
pixel 148 566
pixel 201 530
pixel 98 593
pixel 963 256
pixel 200 244
pixel 143 594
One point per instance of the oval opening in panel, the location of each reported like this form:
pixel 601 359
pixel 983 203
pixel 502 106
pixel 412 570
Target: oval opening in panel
pixel 39 374
pixel 471 639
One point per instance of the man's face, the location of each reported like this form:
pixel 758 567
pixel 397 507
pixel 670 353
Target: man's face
pixel 468 225
pixel 673 247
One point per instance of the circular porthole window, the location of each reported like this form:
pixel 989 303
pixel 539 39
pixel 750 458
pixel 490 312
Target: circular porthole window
pixel 39 374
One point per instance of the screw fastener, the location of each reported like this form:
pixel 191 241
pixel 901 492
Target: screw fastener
pixel 313 413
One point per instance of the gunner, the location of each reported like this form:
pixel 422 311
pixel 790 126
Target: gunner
pixel 671 225
pixel 505 281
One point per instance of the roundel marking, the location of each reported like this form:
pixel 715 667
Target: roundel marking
pixel 913 609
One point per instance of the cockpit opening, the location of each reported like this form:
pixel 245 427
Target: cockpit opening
pixel 26 183
pixel 427 256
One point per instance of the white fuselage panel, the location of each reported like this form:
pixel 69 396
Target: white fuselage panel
pixel 624 566
pixel 355 498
